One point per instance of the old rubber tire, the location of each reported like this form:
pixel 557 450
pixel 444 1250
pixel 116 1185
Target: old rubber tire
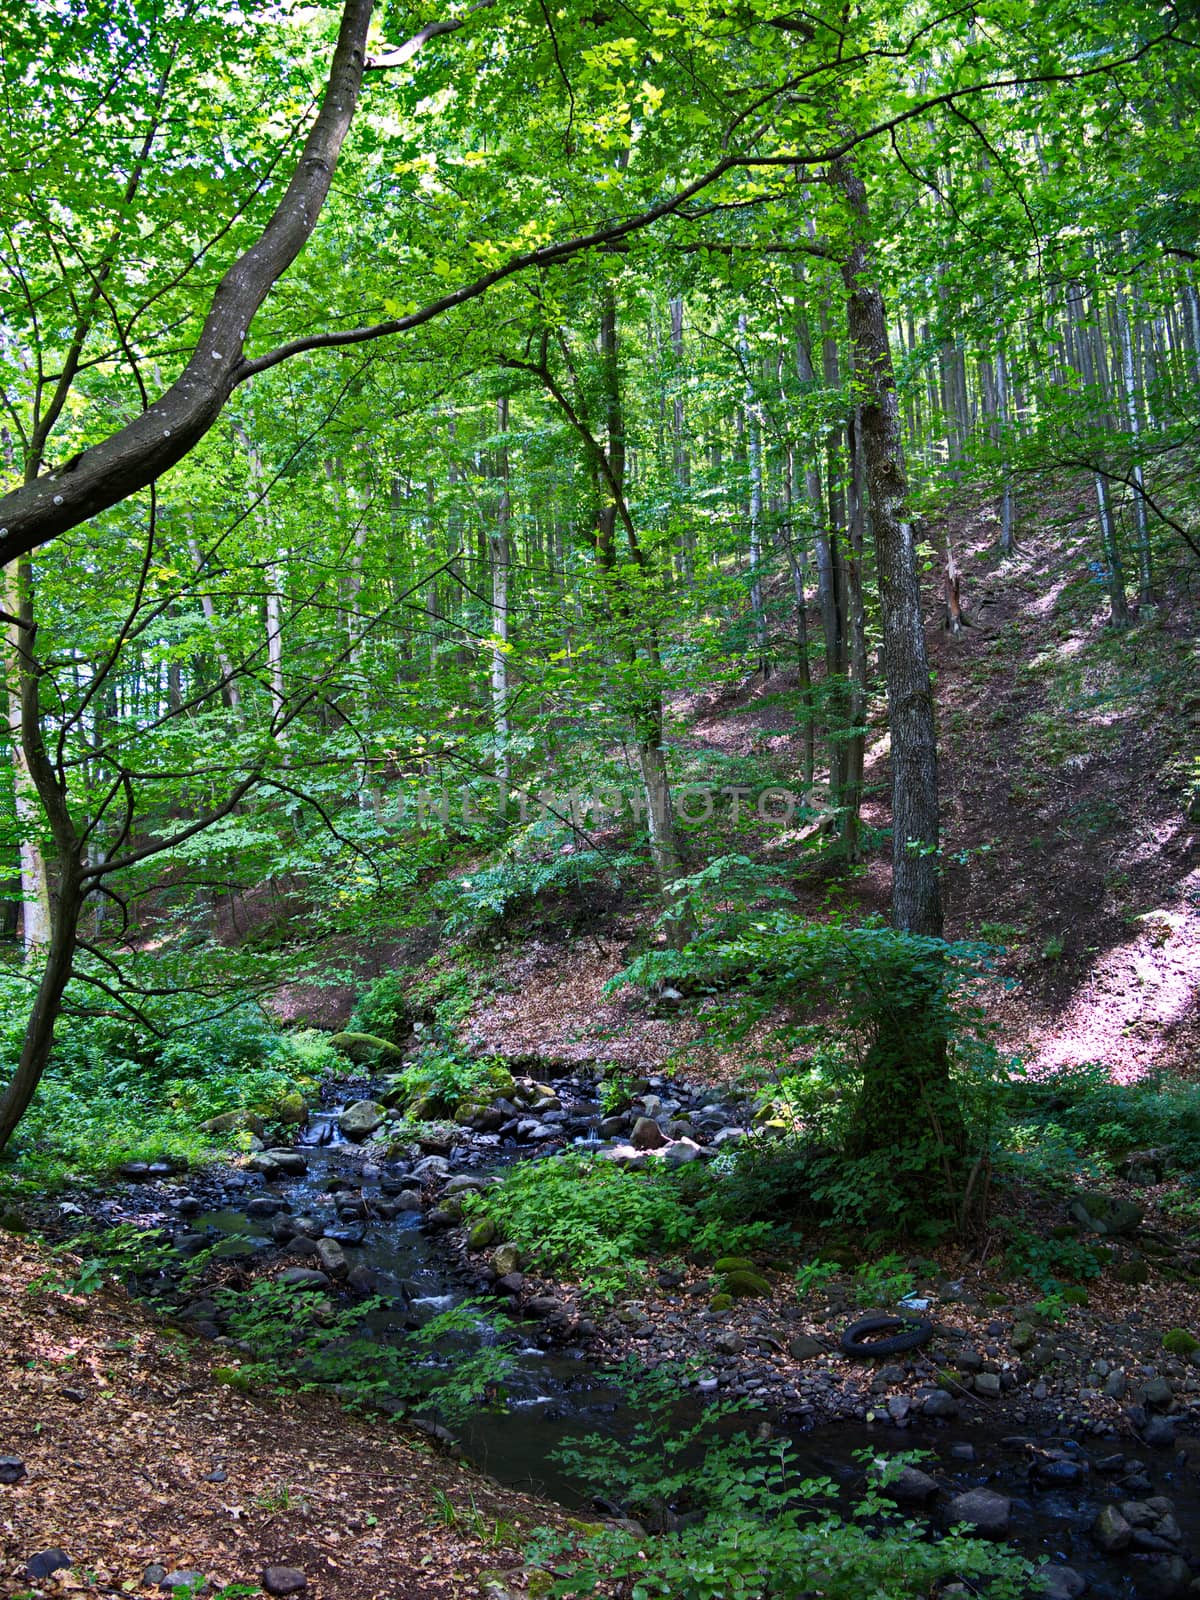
pixel 859 1340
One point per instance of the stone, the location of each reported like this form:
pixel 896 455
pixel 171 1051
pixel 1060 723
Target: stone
pixel 1098 1212
pixel 1060 1583
pixel 284 1580
pixel 362 1279
pixel 545 1308
pixel 292 1163
pixel 745 1285
pixel 940 1404
pixel 332 1257
pixel 647 1135
pixel 364 1048
pixel 360 1120
pixel 1169 1579
pixel 982 1509
pixel 505 1259
pixel 45 1563
pixel 190 1580
pixel 911 1487
pixel 302 1278
pixel 898 1407
pixel 987 1383
pixel 802 1348
pixel 154 1574
pixel 482 1234
pixel 682 1153
pixel 1159 1432
pixel 464 1183
pixel 728 1343
pixel 1115 1384
pixel 12 1469
pixel 1157 1394
pixel 1110 1531
pixel 264 1205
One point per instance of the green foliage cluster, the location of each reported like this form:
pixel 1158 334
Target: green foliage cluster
pixel 1049 1261
pixel 1084 1111
pixel 752 1524
pixel 495 893
pixel 451 1075
pixel 588 1220
pixel 288 1340
pixel 867 984
pixel 116 1092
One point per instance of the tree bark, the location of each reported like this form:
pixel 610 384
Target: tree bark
pixel 916 887
pixel 500 558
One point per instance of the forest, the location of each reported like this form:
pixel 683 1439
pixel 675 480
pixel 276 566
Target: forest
pixel 600 812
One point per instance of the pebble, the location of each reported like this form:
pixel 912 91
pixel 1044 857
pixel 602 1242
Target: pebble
pixel 12 1469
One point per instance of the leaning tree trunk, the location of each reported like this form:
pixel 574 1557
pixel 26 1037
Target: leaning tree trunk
pixel 67 897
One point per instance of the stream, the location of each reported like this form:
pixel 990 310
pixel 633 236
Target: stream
pixel 555 1394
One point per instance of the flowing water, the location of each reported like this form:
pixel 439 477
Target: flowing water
pixel 554 1395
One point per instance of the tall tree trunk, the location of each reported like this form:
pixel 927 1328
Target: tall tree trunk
pixel 679 441
pixel 1133 422
pixel 35 887
pixel 916 888
pixel 499 540
pixel 755 468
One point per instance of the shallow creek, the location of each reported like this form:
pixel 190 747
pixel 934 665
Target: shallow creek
pixel 554 1394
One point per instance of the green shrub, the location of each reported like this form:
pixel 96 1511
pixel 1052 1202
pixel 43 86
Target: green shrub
pixel 451 1076
pixel 756 1528
pixel 1179 1342
pixel 1048 1262
pixel 583 1218
pixel 383 1008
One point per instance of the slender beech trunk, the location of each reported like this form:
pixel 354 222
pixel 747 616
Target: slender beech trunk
pixel 647 708
pixel 500 554
pixel 856 643
pixel 1133 421
pixel 755 469
pixel 679 441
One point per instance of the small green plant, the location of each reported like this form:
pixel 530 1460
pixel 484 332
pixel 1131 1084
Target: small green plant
pixel 878 1283
pixel 1179 1342
pixel 814 1275
pixel 1047 1261
pixel 1053 947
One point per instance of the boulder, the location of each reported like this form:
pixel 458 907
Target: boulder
pixel 289 1109
pixel 291 1163
pixel 365 1048
pixel 746 1285
pixel 332 1258
pixel 1096 1211
pixel 360 1120
pixel 505 1260
pixel 1060 1583
pixel 45 1563
pixel 982 1509
pixel 1110 1531
pixel 802 1348
pixel 647 1135
pixel 302 1278
pixel 231 1121
pixel 482 1234
pixel 682 1153
pixel 911 1488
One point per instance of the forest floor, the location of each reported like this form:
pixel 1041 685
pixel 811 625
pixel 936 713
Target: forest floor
pixel 137 1456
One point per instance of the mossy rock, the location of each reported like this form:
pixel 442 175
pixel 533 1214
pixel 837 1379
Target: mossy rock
pixel 538 1584
pixel 13 1221
pixel 233 1121
pixel 482 1234
pixel 427 1108
pixel 289 1109
pixel 745 1285
pixel 1134 1272
pixel 1074 1297
pixel 233 1378
pixel 1179 1342
pixel 720 1302
pixel 467 1113
pixel 734 1264
pixel 365 1048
